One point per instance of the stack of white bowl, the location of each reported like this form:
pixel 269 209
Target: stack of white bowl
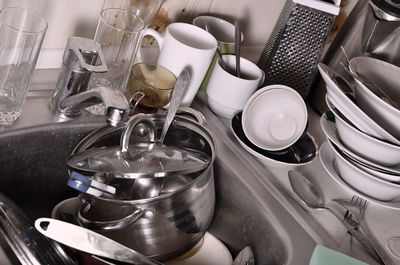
pixel 365 135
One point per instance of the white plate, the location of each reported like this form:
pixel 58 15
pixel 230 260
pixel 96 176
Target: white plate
pixel 327 157
pixel 330 131
pixel 349 109
pixel 209 251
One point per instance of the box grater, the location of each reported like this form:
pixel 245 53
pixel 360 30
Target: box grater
pixel 295 46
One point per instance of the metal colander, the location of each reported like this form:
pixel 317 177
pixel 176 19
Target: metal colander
pixel 293 51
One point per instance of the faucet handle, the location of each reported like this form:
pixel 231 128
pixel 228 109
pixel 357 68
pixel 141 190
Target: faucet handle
pixel 87 52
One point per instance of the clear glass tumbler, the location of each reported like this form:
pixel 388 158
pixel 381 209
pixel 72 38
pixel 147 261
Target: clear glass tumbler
pixel 21 36
pixel 118 33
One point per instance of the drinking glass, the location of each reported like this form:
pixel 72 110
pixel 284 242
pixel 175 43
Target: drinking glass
pixel 157 84
pixel 118 33
pixel 146 9
pixel 21 36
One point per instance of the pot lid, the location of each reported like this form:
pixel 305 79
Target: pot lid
pixel 140 160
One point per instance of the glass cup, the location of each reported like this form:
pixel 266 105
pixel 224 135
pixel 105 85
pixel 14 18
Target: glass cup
pixel 118 33
pixel 155 81
pixel 21 36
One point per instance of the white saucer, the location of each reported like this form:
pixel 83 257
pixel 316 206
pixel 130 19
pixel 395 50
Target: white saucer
pixel 327 157
pixel 330 131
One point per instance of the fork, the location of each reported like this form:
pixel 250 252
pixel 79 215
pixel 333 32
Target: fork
pixel 364 239
pixel 354 217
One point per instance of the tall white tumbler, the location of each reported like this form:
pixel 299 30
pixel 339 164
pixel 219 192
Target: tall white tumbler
pixel 21 36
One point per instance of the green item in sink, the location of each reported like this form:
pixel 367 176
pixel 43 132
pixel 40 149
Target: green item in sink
pixel 326 256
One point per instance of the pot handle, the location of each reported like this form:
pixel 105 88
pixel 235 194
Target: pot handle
pixel 106 225
pixel 131 124
pixel 199 117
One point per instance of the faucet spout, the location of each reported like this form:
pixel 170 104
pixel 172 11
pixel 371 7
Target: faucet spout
pixel 116 104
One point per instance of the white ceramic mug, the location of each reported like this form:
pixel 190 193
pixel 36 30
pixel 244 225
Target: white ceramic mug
pixel 228 93
pixel 185 45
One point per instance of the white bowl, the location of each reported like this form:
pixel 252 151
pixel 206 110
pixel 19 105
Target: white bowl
pixel 330 130
pixel 327 158
pixel 350 110
pixel 274 117
pixel 380 152
pixel 385 76
pixel 364 182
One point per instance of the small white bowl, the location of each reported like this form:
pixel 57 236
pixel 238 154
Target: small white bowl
pixel 368 147
pixel 364 182
pixel 274 117
pixel 385 76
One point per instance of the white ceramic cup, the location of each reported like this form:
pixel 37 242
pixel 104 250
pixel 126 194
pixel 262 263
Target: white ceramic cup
pixel 274 117
pixel 185 45
pixel 228 93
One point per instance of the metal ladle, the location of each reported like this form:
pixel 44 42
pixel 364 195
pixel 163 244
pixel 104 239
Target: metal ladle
pixel 90 242
pixel 151 187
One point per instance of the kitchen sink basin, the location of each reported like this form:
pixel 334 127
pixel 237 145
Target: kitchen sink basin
pixel 248 211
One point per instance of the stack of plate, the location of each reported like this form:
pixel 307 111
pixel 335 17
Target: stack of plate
pixel 363 128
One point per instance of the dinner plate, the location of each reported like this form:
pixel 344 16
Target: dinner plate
pixel 306 146
pixel 209 251
pixel 350 110
pixel 330 131
pixel 327 157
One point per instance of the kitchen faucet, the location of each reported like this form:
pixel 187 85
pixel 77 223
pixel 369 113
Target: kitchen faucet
pixel 82 57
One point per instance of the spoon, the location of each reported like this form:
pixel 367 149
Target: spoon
pixel 245 257
pixel 151 187
pixel 90 242
pixel 177 96
pixel 237 47
pixel 307 191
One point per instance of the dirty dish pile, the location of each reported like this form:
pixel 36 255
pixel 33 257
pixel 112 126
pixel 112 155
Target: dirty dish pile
pixel 365 146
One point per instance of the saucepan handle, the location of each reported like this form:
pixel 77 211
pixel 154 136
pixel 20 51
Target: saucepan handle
pixel 131 124
pixel 117 224
pixel 199 117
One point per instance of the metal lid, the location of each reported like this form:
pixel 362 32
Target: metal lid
pixel 140 160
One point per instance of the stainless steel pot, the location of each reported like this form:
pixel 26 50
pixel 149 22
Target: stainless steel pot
pixel 173 222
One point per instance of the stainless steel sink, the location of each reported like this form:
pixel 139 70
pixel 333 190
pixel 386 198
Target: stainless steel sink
pixel 249 209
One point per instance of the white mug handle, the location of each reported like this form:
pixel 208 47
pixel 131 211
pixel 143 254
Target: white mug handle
pixel 151 32
pixel 262 78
